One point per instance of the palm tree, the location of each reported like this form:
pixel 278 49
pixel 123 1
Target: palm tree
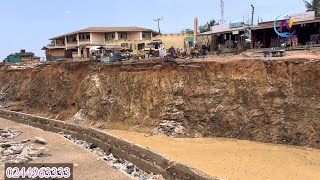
pixel 313 6
pixel 207 27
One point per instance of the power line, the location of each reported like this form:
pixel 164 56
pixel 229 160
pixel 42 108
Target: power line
pixel 158 20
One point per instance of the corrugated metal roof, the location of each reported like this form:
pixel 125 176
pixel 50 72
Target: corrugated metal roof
pixel 227 31
pixel 279 22
pixel 107 29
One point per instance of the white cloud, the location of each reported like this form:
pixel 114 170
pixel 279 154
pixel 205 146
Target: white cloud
pixel 67 12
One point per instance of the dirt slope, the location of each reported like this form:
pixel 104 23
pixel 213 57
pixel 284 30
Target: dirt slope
pixel 270 101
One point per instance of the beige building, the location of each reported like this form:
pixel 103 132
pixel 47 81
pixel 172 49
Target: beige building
pixel 77 44
pixel 178 41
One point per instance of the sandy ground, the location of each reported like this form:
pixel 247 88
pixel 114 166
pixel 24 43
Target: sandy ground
pixel 254 54
pixel 235 159
pixel 86 165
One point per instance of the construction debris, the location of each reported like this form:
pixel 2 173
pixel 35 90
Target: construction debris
pixel 8 134
pixel 17 152
pixel 171 128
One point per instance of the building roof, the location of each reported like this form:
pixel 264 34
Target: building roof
pixel 263 25
pixel 25 54
pixel 270 24
pixel 230 30
pixel 108 29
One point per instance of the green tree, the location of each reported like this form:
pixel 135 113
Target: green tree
pixel 314 5
pixel 207 26
pixel 187 31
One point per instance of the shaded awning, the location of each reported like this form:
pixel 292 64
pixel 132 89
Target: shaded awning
pixel 106 47
pixel 95 48
pixel 230 30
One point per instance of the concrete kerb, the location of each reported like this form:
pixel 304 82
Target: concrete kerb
pixel 144 158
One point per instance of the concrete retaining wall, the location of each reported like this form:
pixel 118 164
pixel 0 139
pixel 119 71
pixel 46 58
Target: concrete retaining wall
pixel 144 158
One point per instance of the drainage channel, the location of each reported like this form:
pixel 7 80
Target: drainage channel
pixel 144 158
pixel 116 163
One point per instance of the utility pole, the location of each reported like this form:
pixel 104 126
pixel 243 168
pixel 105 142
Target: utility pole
pixel 222 11
pixel 158 20
pixel 196 24
pixel 252 14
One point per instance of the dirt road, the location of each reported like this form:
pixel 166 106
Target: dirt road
pixel 235 159
pixel 86 165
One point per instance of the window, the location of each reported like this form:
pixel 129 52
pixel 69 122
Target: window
pixel 125 45
pixel 84 37
pixel 123 36
pixel 110 36
pixel 141 46
pixel 72 39
pixel 60 42
pixel 146 36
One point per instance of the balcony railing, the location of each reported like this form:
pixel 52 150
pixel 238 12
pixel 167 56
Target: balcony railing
pixel 146 38
pixel 56 45
pixel 84 40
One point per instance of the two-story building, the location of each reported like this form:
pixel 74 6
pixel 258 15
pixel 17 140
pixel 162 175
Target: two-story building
pixel 77 44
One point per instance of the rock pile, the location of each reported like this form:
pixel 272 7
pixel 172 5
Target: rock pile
pixel 8 134
pixel 116 163
pixel 20 152
pixel 171 128
pixel 17 152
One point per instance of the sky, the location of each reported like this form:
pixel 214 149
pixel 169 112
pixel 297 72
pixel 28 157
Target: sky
pixel 28 24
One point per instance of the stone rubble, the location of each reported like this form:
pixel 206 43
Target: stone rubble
pixel 8 134
pixel 171 128
pixel 17 152
pixel 116 163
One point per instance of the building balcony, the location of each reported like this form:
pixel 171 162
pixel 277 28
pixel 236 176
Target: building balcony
pixel 146 39
pixel 113 39
pixel 56 46
pixel 72 44
pixel 84 40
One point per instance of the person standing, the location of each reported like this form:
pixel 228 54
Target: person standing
pixel 236 47
pixel 82 55
pixel 204 51
pixel 150 53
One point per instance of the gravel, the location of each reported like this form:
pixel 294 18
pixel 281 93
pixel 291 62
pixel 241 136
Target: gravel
pixel 8 134
pixel 171 128
pixel 116 163
pixel 17 152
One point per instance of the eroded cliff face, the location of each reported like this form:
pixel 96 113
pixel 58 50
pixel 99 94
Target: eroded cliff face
pixel 268 101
